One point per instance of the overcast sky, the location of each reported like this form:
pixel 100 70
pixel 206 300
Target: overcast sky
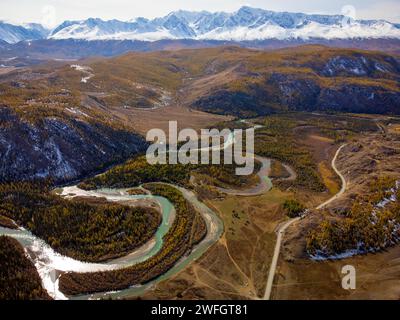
pixel 52 12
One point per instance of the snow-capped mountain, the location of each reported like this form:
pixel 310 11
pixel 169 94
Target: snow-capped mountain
pixel 246 24
pixel 16 33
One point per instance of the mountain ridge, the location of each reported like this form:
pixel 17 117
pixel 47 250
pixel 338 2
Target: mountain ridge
pixel 246 24
pixel 12 33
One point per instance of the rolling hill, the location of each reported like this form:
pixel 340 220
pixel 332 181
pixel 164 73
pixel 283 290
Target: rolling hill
pixel 67 119
pixel 242 82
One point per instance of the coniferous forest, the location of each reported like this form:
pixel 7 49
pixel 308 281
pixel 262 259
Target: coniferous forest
pixel 371 224
pixel 19 279
pixel 77 228
pixel 187 230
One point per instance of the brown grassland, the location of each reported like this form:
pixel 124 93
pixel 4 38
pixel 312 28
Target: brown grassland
pixel 237 266
pixel 363 161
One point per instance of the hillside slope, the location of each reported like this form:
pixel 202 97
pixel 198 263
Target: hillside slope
pixel 61 149
pixel 247 83
pixel 67 119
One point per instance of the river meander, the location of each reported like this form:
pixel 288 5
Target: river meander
pixel 51 265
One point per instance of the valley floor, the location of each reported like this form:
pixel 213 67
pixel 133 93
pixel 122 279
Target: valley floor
pixel 238 264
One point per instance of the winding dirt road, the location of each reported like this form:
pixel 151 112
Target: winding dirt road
pixel 282 229
pixel 344 183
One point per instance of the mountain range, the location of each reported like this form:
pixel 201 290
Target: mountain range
pixel 246 24
pixel 11 33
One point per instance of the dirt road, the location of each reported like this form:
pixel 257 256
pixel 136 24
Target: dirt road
pixel 283 228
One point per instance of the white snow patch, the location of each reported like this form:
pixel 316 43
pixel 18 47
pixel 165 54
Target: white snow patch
pixel 84 69
pixel 10 59
pixel 319 256
pixel 392 198
pixel 74 32
pixel 308 31
pixel 77 112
